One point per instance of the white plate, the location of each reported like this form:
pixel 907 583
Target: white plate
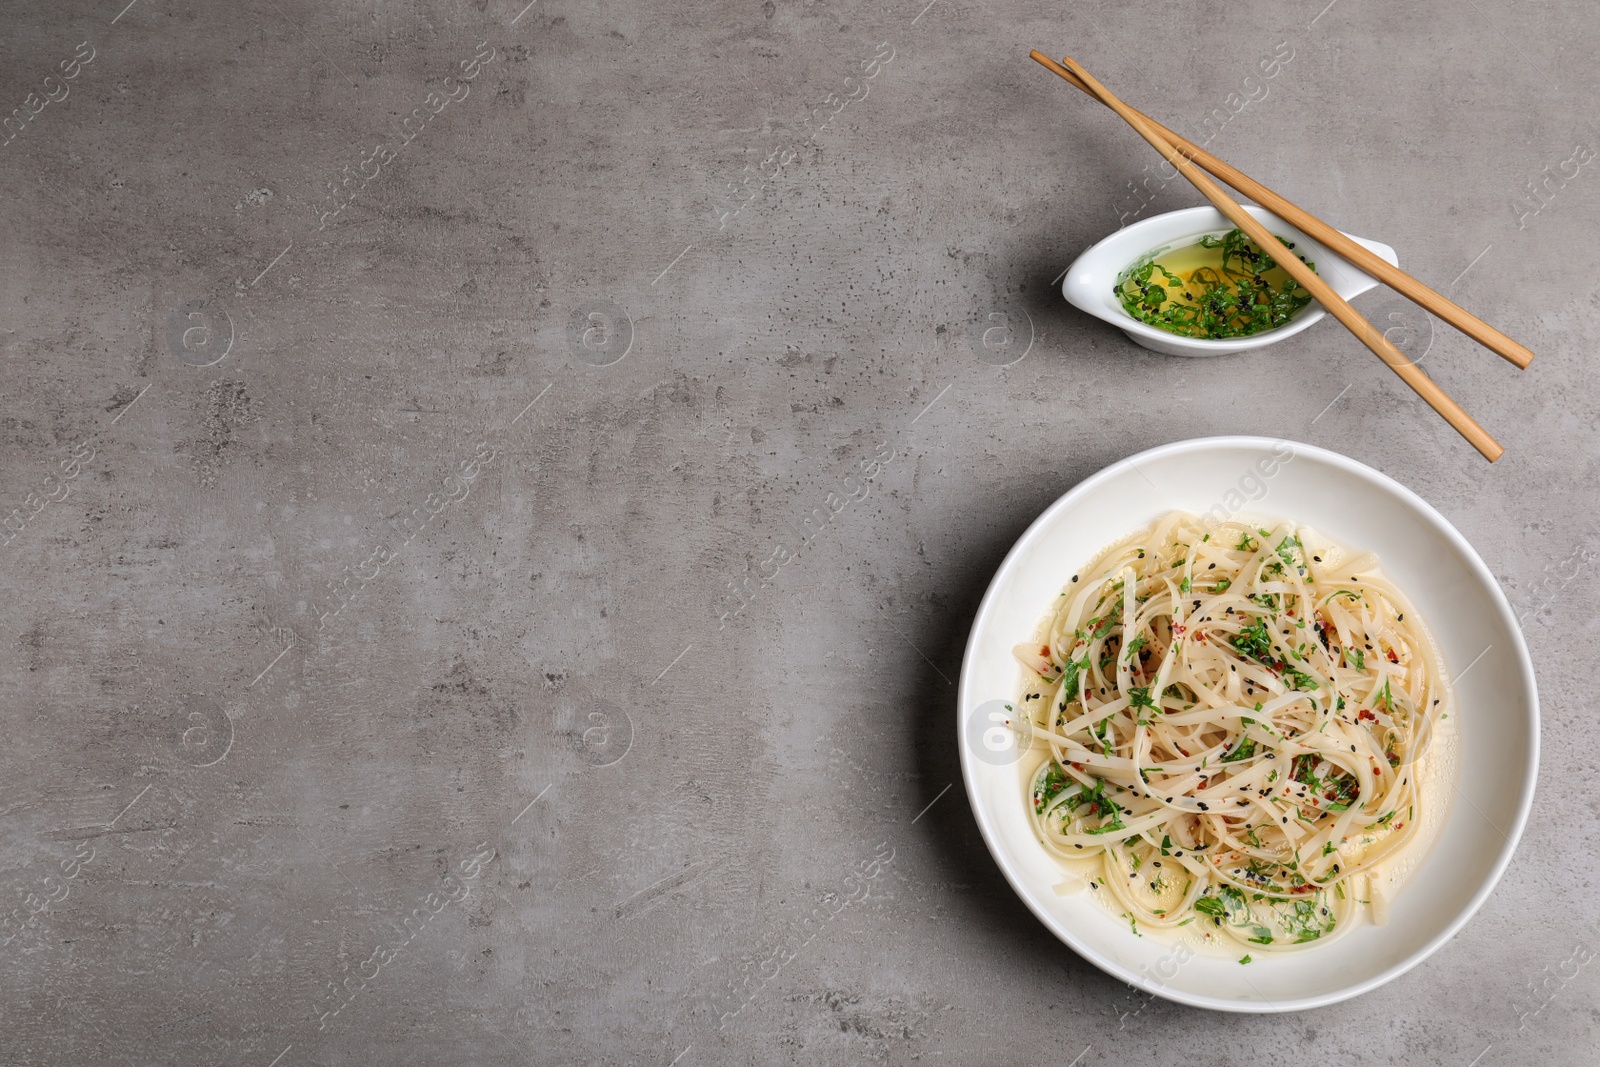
pixel 1497 709
pixel 1090 282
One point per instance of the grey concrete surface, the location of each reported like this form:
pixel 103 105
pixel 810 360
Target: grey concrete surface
pixel 401 400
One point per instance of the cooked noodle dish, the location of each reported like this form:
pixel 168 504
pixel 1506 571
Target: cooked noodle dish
pixel 1234 729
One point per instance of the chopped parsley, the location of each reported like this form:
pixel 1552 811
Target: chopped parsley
pixel 1254 641
pixel 1048 786
pixel 1303 680
pixel 1246 748
pixel 1304 923
pixel 1070 675
pixel 1099 804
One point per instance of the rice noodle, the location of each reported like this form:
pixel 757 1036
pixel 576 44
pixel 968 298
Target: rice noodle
pixel 1229 718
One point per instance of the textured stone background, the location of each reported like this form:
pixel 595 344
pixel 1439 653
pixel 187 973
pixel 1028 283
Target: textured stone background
pixel 229 809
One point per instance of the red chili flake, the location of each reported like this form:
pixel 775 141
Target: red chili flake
pixel 1392 657
pixel 1365 713
pixel 1044 650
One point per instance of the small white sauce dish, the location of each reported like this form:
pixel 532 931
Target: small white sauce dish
pixel 1091 281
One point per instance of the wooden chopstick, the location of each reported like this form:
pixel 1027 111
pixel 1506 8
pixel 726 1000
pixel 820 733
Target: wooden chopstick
pixel 1424 386
pixel 1317 230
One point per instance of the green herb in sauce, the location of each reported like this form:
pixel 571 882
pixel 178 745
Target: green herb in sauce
pixel 1221 287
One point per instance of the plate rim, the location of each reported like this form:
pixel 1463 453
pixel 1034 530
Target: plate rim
pixel 1475 562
